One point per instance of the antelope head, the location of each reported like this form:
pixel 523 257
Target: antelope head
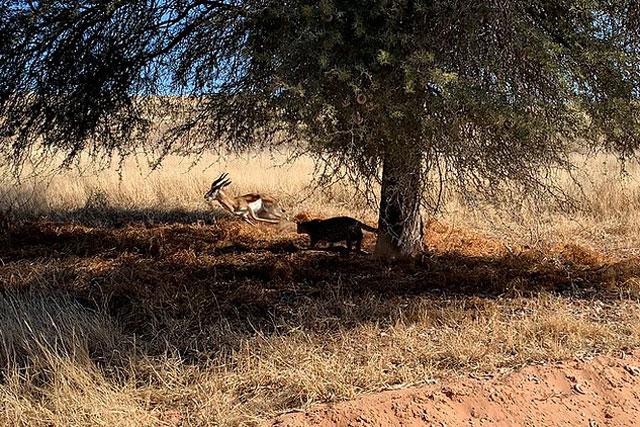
pixel 217 185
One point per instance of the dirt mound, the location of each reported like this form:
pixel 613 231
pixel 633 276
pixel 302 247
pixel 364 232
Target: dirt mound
pixel 600 392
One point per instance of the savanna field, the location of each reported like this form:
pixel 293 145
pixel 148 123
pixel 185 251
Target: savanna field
pixel 127 300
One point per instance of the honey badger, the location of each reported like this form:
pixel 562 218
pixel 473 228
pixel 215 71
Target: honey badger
pixel 337 229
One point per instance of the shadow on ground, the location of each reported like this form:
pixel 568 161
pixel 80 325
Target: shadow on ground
pixel 152 275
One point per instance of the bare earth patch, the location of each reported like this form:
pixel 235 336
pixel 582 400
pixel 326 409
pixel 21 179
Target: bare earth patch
pixel 599 392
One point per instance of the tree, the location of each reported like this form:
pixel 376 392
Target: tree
pixel 410 94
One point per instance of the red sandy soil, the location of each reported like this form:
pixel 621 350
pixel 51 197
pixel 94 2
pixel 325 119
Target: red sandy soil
pixel 604 391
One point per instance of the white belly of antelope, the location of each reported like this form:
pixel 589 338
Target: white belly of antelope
pixel 256 206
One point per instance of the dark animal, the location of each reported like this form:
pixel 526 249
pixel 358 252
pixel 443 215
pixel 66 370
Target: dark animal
pixel 332 230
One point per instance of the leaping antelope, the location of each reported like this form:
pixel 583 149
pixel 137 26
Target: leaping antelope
pixel 252 206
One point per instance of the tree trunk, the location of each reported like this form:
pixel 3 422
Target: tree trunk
pixel 399 222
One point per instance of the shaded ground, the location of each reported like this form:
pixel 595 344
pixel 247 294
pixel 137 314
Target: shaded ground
pixel 229 270
pixel 600 392
pixel 255 324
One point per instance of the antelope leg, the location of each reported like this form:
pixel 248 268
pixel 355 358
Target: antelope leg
pixel 253 215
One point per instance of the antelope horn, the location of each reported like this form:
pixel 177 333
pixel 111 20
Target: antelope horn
pixel 225 183
pixel 219 179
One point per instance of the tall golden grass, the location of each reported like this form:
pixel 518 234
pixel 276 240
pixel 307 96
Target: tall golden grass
pixel 608 213
pixel 233 338
pixel 179 183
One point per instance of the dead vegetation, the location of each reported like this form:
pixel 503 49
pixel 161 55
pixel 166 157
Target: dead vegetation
pixel 115 314
pixel 215 324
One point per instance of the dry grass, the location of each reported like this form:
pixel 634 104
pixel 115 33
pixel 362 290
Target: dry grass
pixel 131 303
pixel 179 185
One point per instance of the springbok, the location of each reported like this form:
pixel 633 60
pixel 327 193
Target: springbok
pixel 252 206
